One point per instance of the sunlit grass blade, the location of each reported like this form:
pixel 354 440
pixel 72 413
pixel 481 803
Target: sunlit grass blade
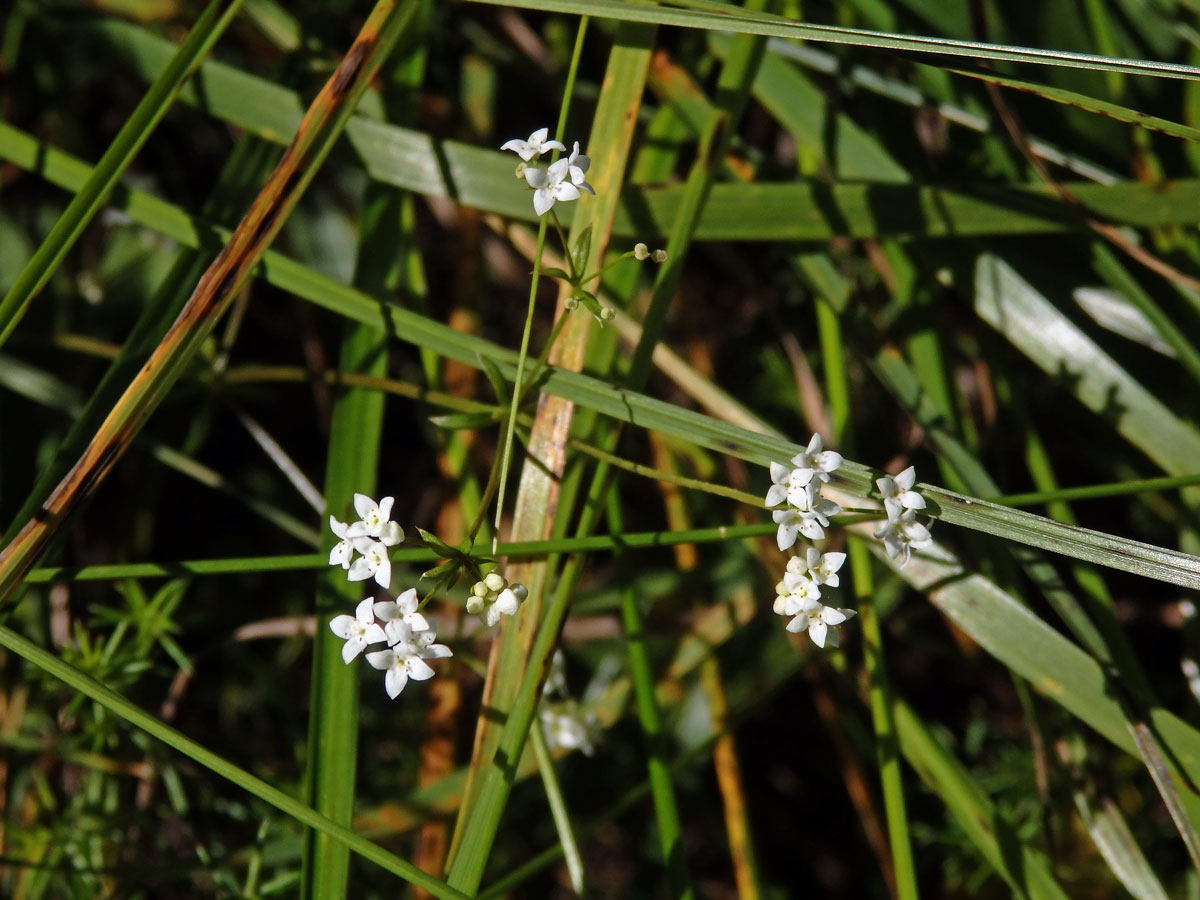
pixel 324 122
pixel 1016 308
pixel 91 196
pixel 737 21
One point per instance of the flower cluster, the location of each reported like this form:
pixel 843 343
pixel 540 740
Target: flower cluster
pixel 902 533
pixel 807 513
pixel 371 536
pixel 564 722
pixel 409 637
pixel 493 597
pixel 563 179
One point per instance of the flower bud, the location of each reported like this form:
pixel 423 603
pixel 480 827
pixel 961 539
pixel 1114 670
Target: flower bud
pixel 480 589
pixel 659 256
pixel 520 591
pixel 495 582
pixel 570 303
pixel 640 251
pixel 607 313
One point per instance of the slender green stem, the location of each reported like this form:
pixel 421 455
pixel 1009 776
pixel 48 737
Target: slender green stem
pixel 1098 491
pixel 666 811
pixel 558 809
pixel 886 748
pixel 510 424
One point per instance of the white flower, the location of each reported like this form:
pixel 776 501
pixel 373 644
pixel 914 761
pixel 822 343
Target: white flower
pixel 820 567
pixel 808 515
pixel 494 597
pixel 780 482
pixel 404 609
pixel 550 184
pixel 566 727
pixel 898 494
pixel 813 462
pixel 904 534
pixel 343 549
pixel 577 165
pixel 374 562
pixel 819 621
pixel 375 521
pixel 792 593
pixel 357 630
pixel 535 146
pixel 405 656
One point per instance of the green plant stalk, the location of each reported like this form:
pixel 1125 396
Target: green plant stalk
pixel 160 731
pixel 120 153
pixel 353 454
pixel 666 810
pixel 558 810
pixel 518 390
pixel 525 642
pixel 887 757
pixel 648 540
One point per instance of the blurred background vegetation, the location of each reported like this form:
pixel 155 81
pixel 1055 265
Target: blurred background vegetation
pixel 996 284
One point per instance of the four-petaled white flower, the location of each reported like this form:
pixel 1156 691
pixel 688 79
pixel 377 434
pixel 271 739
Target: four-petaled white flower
pixel 494 597
pixel 819 621
pixel 376 521
pixel 357 630
pixel 535 146
pixel 550 184
pixel 808 514
pixel 792 593
pixel 577 165
pixel 402 660
pixel 898 493
pixel 344 548
pixel 904 534
pixel 813 462
pixel 374 562
pixel 820 567
pixel 404 609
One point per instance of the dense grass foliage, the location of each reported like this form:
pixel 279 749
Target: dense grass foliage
pixel 256 258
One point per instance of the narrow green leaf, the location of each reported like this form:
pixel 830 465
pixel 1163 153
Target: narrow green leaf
pixel 1089 104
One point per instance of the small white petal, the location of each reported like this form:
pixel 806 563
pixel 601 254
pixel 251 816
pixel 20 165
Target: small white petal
pixel 507 603
pixel 364 505
pixel 543 199
pixel 817 631
pixel 418 669
pixel 535 177
pixel 391 534
pixel 394 681
pixel 341 625
pixel 906 479
pixel 775 495
pixel 383 572
pixel 360 571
